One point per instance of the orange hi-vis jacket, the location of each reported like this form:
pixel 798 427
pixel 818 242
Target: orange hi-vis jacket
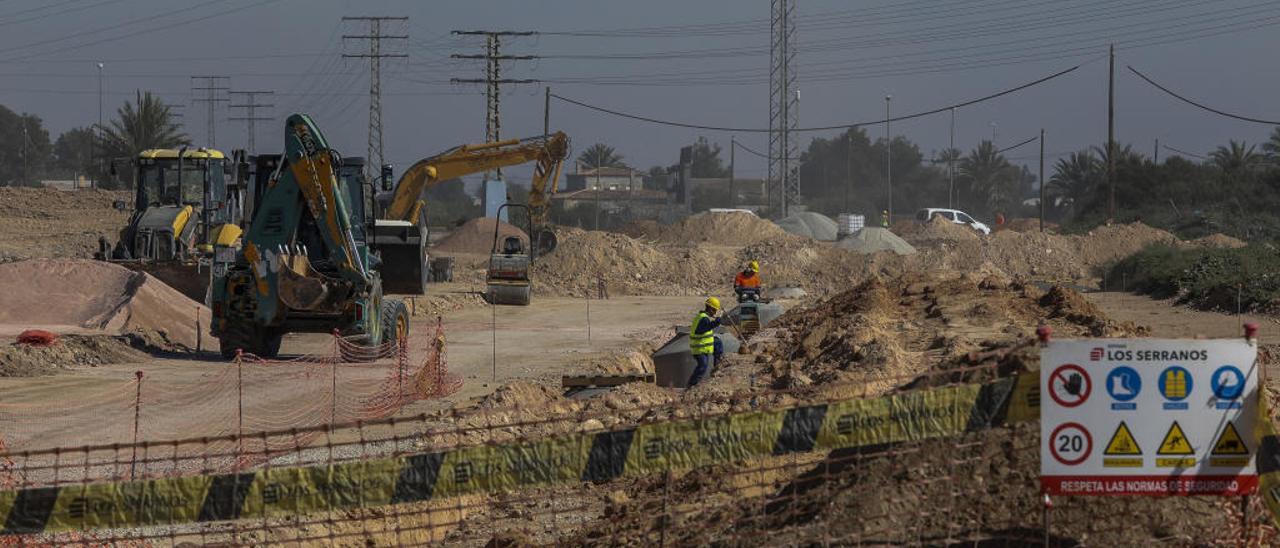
pixel 743 280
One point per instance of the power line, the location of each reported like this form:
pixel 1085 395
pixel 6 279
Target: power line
pixel 821 128
pixel 1183 152
pixel 1011 147
pixel 1200 105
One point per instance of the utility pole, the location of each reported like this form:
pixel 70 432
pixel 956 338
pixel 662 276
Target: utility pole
pixel 848 168
pixel 1156 151
pixel 97 133
pixel 783 184
pixel 375 160
pixel 1041 179
pixel 1111 135
pixel 546 112
pixel 888 156
pixel 493 79
pixel 951 164
pixel 213 88
pixel 733 149
pixel 251 106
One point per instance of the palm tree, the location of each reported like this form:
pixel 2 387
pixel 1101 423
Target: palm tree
pixel 1235 157
pixel 1271 148
pixel 600 155
pixel 989 174
pixel 144 124
pixel 1076 177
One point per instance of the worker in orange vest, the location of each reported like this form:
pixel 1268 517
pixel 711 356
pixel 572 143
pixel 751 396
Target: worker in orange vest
pixel 747 283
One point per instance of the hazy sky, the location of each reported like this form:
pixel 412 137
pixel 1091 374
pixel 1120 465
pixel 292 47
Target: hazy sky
pixel 700 62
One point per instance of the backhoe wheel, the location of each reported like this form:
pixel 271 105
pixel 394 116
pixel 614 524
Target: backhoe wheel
pixel 259 341
pixel 395 321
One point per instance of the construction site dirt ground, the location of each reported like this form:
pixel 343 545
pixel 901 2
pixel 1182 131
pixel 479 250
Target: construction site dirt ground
pixel 539 343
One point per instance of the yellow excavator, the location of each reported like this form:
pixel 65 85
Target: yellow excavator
pixel 400 234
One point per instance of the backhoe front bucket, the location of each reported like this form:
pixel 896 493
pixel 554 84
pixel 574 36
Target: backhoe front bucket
pixel 545 242
pixel 186 277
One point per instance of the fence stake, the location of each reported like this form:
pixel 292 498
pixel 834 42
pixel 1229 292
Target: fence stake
pixel 1244 519
pixel 239 407
pixel 1048 504
pixel 199 332
pixel 137 416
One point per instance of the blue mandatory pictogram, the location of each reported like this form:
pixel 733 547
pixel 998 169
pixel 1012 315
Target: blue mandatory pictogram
pixel 1175 385
pixel 1124 384
pixel 1227 382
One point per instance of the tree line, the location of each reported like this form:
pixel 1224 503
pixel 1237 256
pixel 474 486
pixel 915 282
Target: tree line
pixel 29 155
pixel 1233 189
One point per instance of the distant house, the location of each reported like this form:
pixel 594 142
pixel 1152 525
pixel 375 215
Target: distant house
pixel 604 178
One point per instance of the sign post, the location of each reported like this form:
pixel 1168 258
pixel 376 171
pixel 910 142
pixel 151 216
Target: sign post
pixel 1149 417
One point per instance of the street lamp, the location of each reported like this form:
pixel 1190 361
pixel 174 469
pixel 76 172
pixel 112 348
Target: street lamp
pixel 993 134
pixel 888 157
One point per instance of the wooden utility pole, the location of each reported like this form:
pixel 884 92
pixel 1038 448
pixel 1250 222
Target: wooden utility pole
pixel 1042 180
pixel 733 149
pixel 546 112
pixel 1111 136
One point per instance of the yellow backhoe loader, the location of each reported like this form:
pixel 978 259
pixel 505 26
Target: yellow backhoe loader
pixel 183 206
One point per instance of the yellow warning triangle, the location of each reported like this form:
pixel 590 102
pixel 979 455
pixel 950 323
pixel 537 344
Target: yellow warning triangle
pixel 1175 442
pixel 1122 442
pixel 1230 443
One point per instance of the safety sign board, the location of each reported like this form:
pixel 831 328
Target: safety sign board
pixel 1169 417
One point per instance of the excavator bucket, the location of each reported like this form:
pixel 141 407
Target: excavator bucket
pixel 545 242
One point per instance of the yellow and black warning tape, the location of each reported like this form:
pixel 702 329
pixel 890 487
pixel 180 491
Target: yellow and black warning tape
pixel 641 450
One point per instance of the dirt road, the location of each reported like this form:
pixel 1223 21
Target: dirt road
pixel 1168 319
pixel 196 397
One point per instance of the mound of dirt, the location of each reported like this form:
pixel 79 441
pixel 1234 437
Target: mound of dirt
pixel 1026 224
pixel 476 236
pixel 872 239
pixel 884 331
pixel 583 260
pixel 94 297
pixel 19 360
pixel 42 222
pixel 939 229
pixel 1107 244
pixel 643 229
pixel 733 229
pixel 1219 240
pixel 810 224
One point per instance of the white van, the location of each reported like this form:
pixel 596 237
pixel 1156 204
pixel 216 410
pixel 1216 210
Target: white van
pixel 953 215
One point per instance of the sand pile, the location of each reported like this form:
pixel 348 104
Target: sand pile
pixel 811 225
pixel 628 267
pixel 94 297
pixel 872 239
pixel 476 236
pixel 1027 224
pixel 733 229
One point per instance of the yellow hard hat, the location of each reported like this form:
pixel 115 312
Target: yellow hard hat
pixel 754 266
pixel 713 302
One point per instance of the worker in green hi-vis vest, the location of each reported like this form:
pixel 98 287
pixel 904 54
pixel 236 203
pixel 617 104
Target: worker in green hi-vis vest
pixel 702 339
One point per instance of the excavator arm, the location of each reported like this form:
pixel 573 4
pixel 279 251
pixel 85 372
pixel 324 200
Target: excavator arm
pixel 549 151
pixel 401 234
